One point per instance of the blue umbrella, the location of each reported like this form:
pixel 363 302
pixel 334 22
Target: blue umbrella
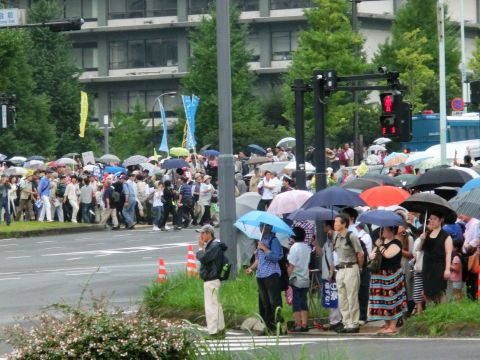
pixel 470 185
pixel 211 152
pixel 113 169
pixel 174 164
pixel 250 223
pixel 316 213
pixel 381 218
pixel 256 149
pixel 334 196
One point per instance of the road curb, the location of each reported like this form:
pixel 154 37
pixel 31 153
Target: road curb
pixel 56 231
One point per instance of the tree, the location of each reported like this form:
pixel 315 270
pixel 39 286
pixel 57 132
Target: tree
pixel 248 125
pixel 130 136
pixel 420 16
pixel 328 43
pixel 56 76
pixel 417 76
pixel 34 133
pixel 474 64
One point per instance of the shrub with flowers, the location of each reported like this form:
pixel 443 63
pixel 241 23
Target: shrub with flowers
pixel 96 333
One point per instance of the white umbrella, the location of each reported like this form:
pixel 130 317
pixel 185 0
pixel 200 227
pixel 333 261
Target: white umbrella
pixel 381 141
pixel 34 164
pixel 16 171
pixel 108 158
pixel 375 148
pixel 67 161
pixel 277 166
pixel 418 157
pixel 288 142
pixel 18 159
pixel 292 165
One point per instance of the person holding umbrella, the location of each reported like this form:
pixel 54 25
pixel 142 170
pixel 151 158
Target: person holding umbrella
pixel 387 300
pixel 437 246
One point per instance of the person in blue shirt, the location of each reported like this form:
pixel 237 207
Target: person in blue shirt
pixel 44 191
pixel 269 252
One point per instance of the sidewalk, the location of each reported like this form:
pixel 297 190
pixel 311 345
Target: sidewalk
pixel 6 233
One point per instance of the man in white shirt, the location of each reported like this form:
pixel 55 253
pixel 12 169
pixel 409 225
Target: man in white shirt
pixel 349 154
pixel 266 187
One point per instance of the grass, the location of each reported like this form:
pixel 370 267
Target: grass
pixel 182 297
pixel 456 318
pixel 18 227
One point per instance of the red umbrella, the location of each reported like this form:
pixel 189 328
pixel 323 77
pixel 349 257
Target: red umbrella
pixel 384 196
pixel 54 164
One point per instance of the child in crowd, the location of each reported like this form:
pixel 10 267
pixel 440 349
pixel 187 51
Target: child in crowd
pixel 455 283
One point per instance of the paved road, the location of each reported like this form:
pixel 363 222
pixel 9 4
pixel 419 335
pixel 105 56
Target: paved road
pixel 345 348
pixel 37 272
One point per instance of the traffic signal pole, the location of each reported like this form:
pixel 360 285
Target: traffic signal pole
pixel 300 88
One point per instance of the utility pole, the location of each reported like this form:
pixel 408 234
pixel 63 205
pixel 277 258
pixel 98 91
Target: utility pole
pixel 443 93
pixel 226 170
pixel 300 88
pixel 356 125
pixel 106 129
pixel 463 67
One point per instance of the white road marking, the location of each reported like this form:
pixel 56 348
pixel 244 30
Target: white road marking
pixel 87 273
pixel 55 247
pixel 146 257
pixel 10 273
pixel 95 244
pixel 85 238
pixel 103 255
pixel 16 278
pixel 18 257
pixel 46 242
pixel 9 239
pixel 8 245
pixel 71 259
pixel 122 235
pixel 13 251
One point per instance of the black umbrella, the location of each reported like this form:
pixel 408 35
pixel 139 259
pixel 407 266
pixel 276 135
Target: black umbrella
pixel 430 203
pixel 174 164
pixel 361 184
pixel 36 157
pixel 384 179
pixel 446 192
pixel 381 218
pixel 435 178
pixel 334 196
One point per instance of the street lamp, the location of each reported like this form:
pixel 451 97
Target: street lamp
pixel 159 99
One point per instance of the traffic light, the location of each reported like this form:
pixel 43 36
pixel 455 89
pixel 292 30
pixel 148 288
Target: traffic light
pixel 71 24
pixel 475 92
pixel 396 117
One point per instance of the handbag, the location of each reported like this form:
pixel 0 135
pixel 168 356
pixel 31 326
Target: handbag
pixel 38 203
pixel 375 264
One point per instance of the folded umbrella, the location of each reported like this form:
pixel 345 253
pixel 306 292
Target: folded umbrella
pixel 315 213
pixel 381 218
pixel 467 203
pixel 288 201
pixel 427 203
pixel 384 196
pixel 255 218
pixel 334 196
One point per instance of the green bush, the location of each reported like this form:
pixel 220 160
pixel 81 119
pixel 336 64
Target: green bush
pixel 452 318
pixel 99 334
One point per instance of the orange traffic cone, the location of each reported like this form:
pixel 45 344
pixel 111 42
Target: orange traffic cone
pixel 162 271
pixel 191 263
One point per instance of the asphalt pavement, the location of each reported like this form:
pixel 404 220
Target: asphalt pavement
pixel 37 272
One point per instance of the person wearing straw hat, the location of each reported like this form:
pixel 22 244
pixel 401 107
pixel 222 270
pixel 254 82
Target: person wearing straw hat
pixel 210 255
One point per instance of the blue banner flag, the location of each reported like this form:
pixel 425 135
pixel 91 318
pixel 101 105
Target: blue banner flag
pixel 164 144
pixel 190 105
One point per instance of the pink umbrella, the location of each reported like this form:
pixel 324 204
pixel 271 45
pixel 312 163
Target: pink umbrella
pixel 288 201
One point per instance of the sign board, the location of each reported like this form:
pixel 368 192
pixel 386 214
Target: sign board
pixel 12 17
pixel 88 158
pixel 457 113
pixel 4 116
pixel 458 104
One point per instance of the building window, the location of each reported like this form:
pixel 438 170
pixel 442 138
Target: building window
pixel 86 56
pixel 161 8
pixel 198 7
pixel 143 53
pixel 290 4
pixel 86 9
pixel 253 45
pixel 283 44
pixel 126 101
pixel 124 9
pixel 247 5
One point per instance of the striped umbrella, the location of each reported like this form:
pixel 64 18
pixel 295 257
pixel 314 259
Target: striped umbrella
pixel 467 203
pixel 394 159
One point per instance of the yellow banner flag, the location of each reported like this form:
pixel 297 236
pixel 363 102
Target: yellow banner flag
pixel 362 170
pixel 83 112
pixel 155 154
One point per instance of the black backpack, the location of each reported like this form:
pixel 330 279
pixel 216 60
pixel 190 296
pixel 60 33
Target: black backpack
pixel 362 244
pixel 60 192
pixel 226 268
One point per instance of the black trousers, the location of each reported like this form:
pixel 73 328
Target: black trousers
pixel 263 204
pixel 363 294
pixel 168 209
pixel 472 285
pixel 269 300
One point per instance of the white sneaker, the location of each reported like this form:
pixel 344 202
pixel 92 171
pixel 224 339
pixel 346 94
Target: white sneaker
pixel 155 228
pixel 167 227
